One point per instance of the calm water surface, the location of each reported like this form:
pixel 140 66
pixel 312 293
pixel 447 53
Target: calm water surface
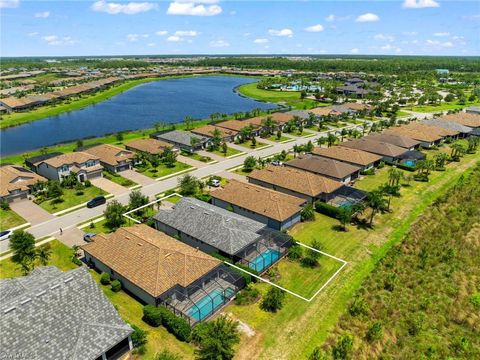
pixel 138 108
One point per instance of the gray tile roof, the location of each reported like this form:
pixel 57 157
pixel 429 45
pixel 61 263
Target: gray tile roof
pixel 450 125
pixel 180 137
pixel 220 228
pixel 302 114
pixel 51 314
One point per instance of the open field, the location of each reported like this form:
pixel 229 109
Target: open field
pixel 10 219
pixel 70 199
pixel 440 107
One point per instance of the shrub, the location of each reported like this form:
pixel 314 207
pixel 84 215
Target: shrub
pixel 139 336
pixel 152 315
pixel 308 213
pixel 295 252
pixel 358 307
pixel 156 316
pixel 4 205
pixel 327 209
pixel 343 347
pixel 247 296
pixel 166 355
pixel 375 332
pixel 105 278
pixel 116 286
pixel 141 350
pixel 273 300
pixel 76 260
pixel 370 171
pixel 87 183
pixel 475 300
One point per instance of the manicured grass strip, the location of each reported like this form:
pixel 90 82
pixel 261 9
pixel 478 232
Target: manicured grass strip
pixel 162 170
pixel 248 144
pixel 10 219
pixel 198 157
pixel 230 152
pixel 282 138
pixel 70 199
pixel 118 179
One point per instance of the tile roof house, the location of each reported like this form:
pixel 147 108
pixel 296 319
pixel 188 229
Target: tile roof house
pixel 350 156
pixel 149 146
pixel 275 209
pixel 325 111
pixel 227 135
pixel 465 118
pixel 449 125
pixel 213 229
pixel 17 182
pixel 85 166
pixel 238 125
pixel 443 132
pixel 388 151
pixel 113 158
pixel 153 266
pixel 183 140
pixel 394 139
pixel 426 139
pixel 299 183
pixel 51 314
pixel 329 168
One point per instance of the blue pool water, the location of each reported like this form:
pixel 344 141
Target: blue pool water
pixel 208 304
pixel 345 204
pixel 264 260
pixel 410 163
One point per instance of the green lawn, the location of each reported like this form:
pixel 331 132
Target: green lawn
pixel 282 138
pixel 98 227
pixel 173 199
pixel 10 219
pixel 61 258
pixel 230 152
pixel 248 144
pixel 294 331
pixel 70 199
pixel 198 157
pixel 118 179
pixel 162 170
pixel 281 97
pixel 441 107
pixel 241 171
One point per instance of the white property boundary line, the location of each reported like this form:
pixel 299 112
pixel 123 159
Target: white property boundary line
pixel 147 205
pixel 344 263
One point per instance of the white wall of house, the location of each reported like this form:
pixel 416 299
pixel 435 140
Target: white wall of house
pixel 48 171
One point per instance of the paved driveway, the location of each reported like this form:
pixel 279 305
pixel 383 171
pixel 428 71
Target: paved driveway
pixel 137 177
pixel 72 236
pixel 30 211
pixel 109 186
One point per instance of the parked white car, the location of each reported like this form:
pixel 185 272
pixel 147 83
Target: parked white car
pixel 5 235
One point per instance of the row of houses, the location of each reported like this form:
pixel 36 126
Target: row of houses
pixel 24 103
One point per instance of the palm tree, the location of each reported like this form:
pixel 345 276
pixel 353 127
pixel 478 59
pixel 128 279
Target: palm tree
pixel 376 201
pixel 297 149
pixel 331 139
pixel 43 254
pixel 269 123
pixel 394 176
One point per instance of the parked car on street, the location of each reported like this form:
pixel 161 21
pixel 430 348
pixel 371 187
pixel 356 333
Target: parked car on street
pixel 99 200
pixel 6 234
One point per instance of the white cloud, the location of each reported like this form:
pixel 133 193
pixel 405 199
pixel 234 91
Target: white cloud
pixel 441 34
pixel 186 33
pixel 282 32
pixel 55 40
pixel 390 47
pixel 161 33
pixel 330 18
pixel 35 33
pixel 174 38
pixel 314 28
pixel 9 4
pixel 355 50
pixel 384 37
pixel 194 8
pixel 260 41
pixel 130 8
pixel 219 43
pixel 410 33
pixel 368 17
pixel 436 43
pixel 420 4
pixel 132 37
pixel 152 44
pixel 43 14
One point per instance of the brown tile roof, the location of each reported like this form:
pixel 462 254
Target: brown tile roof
pixel 349 155
pixel 278 117
pixel 207 130
pixel 431 129
pixel 260 200
pixel 356 106
pixel 375 147
pixel 323 166
pixel 394 139
pixel 302 182
pixel 151 146
pixel 414 134
pixel 69 158
pixel 324 111
pixel 150 259
pixel 14 177
pixel 235 125
pixel 14 102
pixel 111 155
pixel 467 119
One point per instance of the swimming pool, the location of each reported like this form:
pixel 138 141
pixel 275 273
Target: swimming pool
pixel 264 260
pixel 410 163
pixel 209 303
pixel 346 203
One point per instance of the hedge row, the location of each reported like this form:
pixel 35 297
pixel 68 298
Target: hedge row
pixel 156 316
pixel 327 209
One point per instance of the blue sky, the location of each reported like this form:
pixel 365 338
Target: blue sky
pixel 104 27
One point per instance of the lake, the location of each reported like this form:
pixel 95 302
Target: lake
pixel 141 107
